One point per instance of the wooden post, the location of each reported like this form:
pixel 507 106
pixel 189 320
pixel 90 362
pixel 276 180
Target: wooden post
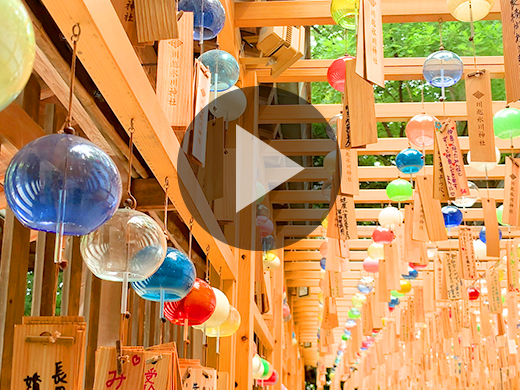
pixel 76 270
pixel 13 273
pixel 92 331
pixel 246 236
pixel 277 304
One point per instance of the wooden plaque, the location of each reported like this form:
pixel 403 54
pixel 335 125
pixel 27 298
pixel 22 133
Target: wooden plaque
pixel 440 191
pixel 373 36
pixel 349 172
pixel 491 223
pixel 346 217
pixel 359 111
pixel 494 293
pixel 510 12
pixel 420 232
pixel 511 211
pixel 479 103
pixel 200 123
pixel 432 209
pixel 452 162
pixel 175 75
pixel 453 279
pixel 512 267
pixel 467 253
pixel 155 20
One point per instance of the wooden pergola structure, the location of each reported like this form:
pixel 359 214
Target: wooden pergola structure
pixel 115 86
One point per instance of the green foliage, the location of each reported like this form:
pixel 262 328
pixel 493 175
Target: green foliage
pixel 29 293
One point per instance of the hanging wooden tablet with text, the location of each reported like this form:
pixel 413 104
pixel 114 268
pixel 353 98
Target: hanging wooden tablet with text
pixel 333 262
pixel 359 111
pixel 510 12
pixel 346 218
pixel 432 209
pixel 415 251
pixel 420 233
pixel 200 123
pixel 440 277
pixel 360 43
pixel 479 103
pixel 211 177
pixel 491 224
pixel 440 191
pixel 381 286
pixel 467 253
pixel 175 75
pixel 155 20
pixel 494 292
pixel 392 267
pixel 511 214
pixel 373 36
pixel 453 279
pixel 452 162
pixel 349 172
pixel 429 292
pixel 335 284
pixel 512 266
pixel 419 304
pixel 366 316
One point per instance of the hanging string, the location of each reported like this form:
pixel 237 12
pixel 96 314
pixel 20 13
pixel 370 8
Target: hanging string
pixel 130 202
pixel 67 128
pixel 472 34
pixel 76 32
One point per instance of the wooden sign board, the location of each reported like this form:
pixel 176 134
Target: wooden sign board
pixel 156 20
pixel 510 12
pixel 48 352
pixel 479 103
pixel 452 162
pixel 415 251
pixel 175 75
pixel 359 111
pixel 349 172
pixel 432 209
pixel 200 123
pixel 335 284
pixel 511 212
pixel 453 279
pixel 440 278
pixel 419 230
pixel 360 44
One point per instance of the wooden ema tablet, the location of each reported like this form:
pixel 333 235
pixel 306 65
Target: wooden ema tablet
pixel 366 316
pixel 360 43
pixel 211 177
pixel 349 172
pixel 510 29
pixel 373 37
pixel 440 277
pixel 359 115
pixel 429 292
pixel 155 20
pixel 415 251
pixel 494 292
pixel 392 267
pixel 48 352
pixel 451 157
pixel 419 230
pixel 468 263
pixel 194 376
pixel 200 123
pixel 440 190
pixel 491 224
pixel 382 289
pixel 335 279
pixel 175 75
pixel 511 214
pixel 432 209
pixel 512 267
pixel 479 103
pixel 346 217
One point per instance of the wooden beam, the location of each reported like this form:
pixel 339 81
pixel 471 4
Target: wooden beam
pixel 409 68
pixel 108 56
pixel 385 112
pixel 365 196
pixel 280 215
pixel 381 173
pixel 261 329
pixel 17 127
pixel 317 12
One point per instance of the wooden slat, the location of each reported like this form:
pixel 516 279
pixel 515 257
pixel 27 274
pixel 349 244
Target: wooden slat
pixel 14 267
pixel 50 278
pixel 92 330
pixel 407 68
pixel 313 12
pixel 76 269
pixel 385 112
pixel 109 58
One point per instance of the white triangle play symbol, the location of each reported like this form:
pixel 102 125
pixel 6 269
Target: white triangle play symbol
pixel 259 168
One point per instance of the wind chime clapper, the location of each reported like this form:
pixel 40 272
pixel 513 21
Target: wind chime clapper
pixel 67 129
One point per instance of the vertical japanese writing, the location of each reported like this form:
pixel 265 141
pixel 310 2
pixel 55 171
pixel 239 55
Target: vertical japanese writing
pixel 129 11
pixel 59 376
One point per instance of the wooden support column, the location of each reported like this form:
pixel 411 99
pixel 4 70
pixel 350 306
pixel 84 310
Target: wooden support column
pixel 228 345
pixel 278 277
pixel 13 273
pixel 76 270
pixel 92 330
pixel 246 237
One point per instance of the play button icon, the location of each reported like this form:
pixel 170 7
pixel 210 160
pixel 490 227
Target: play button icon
pixel 259 168
pixel 236 166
